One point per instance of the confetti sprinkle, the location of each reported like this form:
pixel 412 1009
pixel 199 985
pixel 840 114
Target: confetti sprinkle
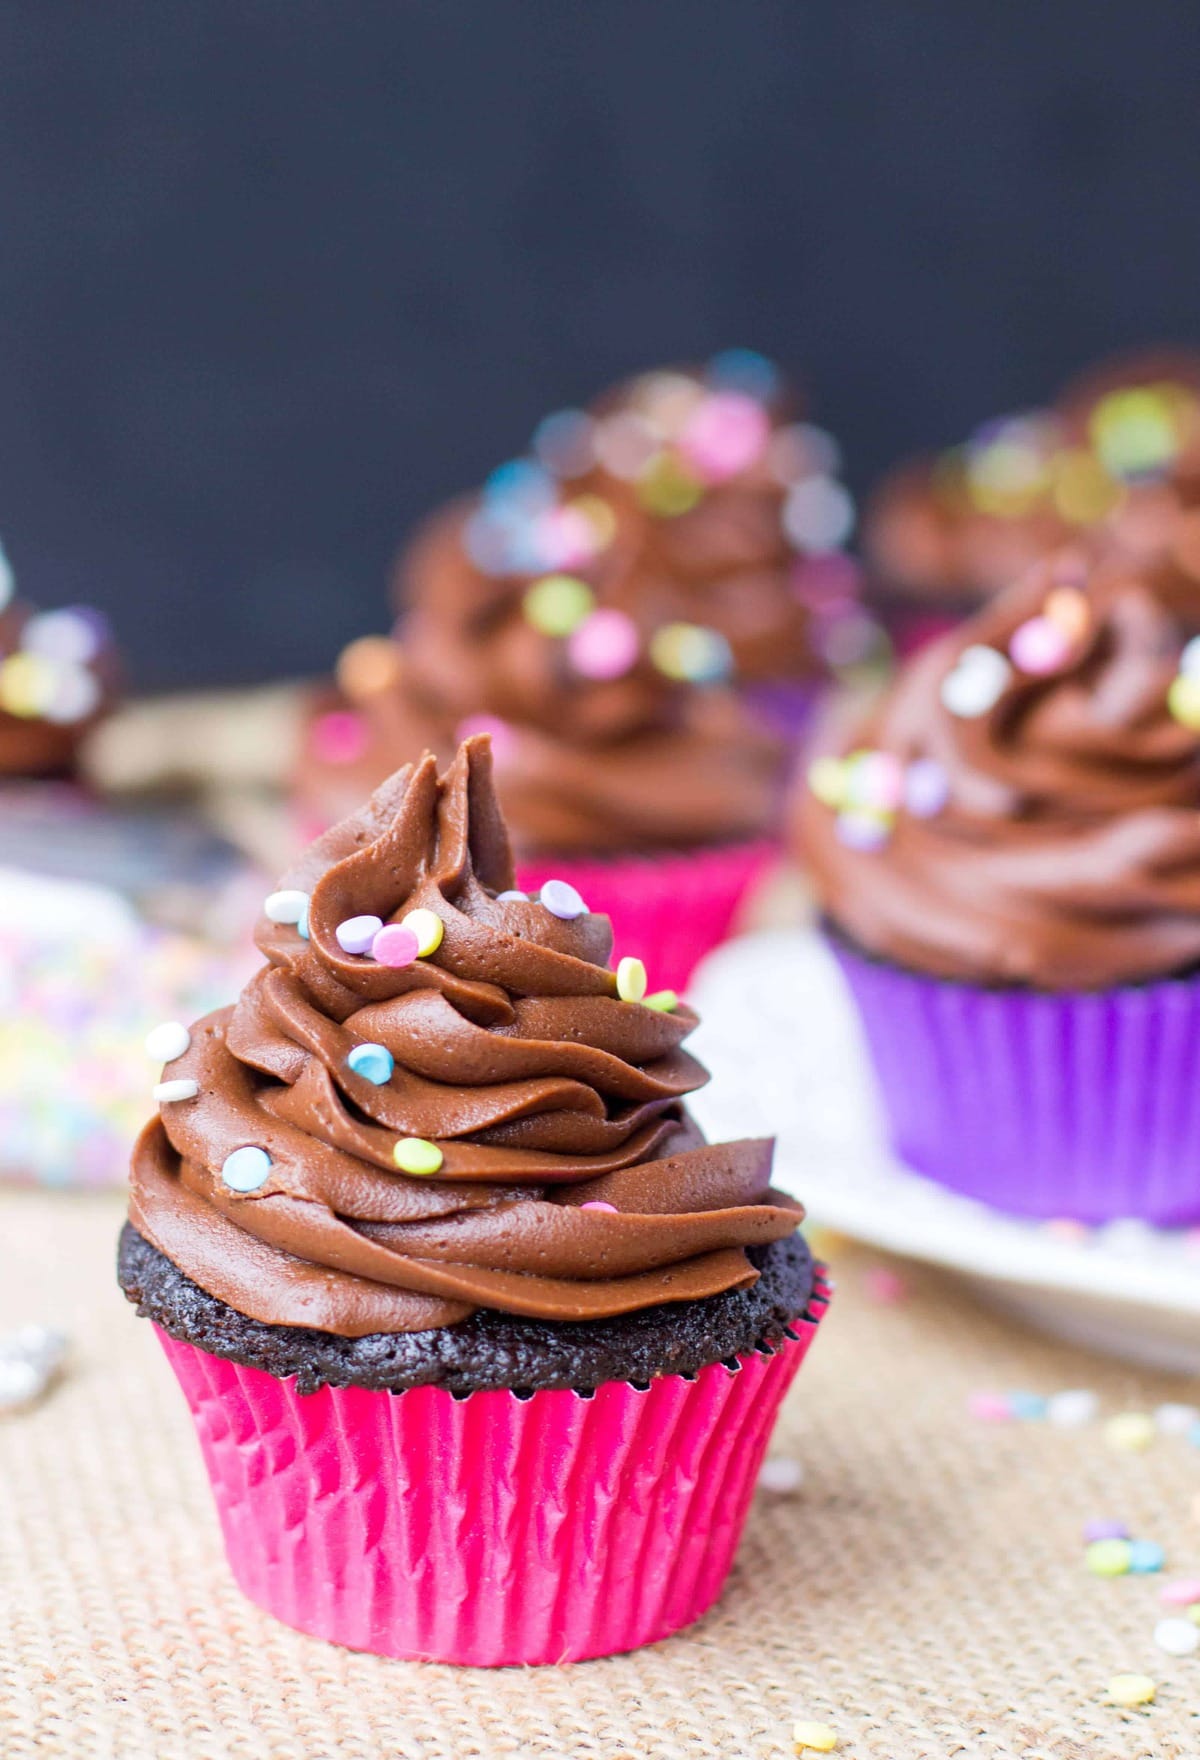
pixel 863 829
pixel 725 433
pixel 744 369
pixel 289 906
pixel 1130 1432
pixel 31 1359
pixel 21 1386
pixel 604 646
pixel 374 1063
pixel 599 1204
pixel 815 1738
pixel 1181 1592
pixel 690 652
pixel 1030 1407
pixel 1104 1529
pixel 182 1088
pixel 395 945
pixel 989 1408
pixel 563 442
pixel 355 934
pixel 976 682
pixel 167 1042
pixel 340 736
pixel 631 979
pixel 246 1169
pixel 818 514
pixel 557 604
pixel 1183 700
pixel 780 1475
pixel 1109 1558
pixel 665 1001
pixel 1178 1637
pixel 512 897
pixel 1175 1419
pixel 1039 646
pixel 884 1286
pixel 1072 1409
pixel 1068 609
pixel 1146 1557
pixel 368 667
pixel 668 488
pixel 427 927
pixel 561 900
pixel 926 788
pixel 417 1155
pixel 1130 1689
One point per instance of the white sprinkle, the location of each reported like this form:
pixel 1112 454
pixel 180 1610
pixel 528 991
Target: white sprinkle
pixel 167 1042
pixel 183 1088
pixel 781 1475
pixel 287 906
pixel 1178 1637
pixel 976 682
pixel 1175 1419
pixel 21 1383
pixel 43 1346
pixel 1072 1409
pixel 512 897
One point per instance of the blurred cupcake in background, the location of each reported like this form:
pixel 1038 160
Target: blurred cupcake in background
pixel 1116 459
pixel 640 612
pixel 110 917
pixel 1008 856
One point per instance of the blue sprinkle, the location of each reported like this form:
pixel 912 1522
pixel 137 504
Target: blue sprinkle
pixel 302 925
pixel 1029 1406
pixel 744 369
pixel 1146 1556
pixel 1193 1435
pixel 374 1063
pixel 246 1169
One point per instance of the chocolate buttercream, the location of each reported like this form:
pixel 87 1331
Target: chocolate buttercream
pixel 1024 805
pixel 541 1089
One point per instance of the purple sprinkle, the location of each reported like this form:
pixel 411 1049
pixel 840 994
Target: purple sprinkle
pixel 865 831
pixel 926 788
pixel 561 900
pixel 1105 1530
pixel 356 934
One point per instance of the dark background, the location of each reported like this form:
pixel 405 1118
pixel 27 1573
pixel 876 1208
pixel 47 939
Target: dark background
pixel 276 277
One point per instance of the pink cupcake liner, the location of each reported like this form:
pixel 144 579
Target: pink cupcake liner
pixel 1077 1105
pixel 488 1530
pixel 670 909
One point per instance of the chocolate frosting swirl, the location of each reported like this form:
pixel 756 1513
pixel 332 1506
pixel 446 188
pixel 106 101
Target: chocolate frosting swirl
pixel 1059 845
pixel 543 1091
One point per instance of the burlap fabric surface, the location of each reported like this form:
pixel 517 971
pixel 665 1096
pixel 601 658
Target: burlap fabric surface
pixel 924 1592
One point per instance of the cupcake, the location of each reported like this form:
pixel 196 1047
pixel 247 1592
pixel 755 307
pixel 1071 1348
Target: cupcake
pixel 58 675
pixel 1008 857
pixel 1117 457
pixel 468 1314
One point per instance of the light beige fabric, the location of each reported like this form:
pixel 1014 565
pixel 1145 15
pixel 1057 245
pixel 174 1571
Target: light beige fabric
pixel 925 1591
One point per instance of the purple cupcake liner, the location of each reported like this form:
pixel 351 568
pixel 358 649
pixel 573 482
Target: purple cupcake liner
pixel 1076 1105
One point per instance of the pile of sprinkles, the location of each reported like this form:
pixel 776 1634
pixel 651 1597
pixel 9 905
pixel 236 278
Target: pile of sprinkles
pixel 417 935
pixel 868 790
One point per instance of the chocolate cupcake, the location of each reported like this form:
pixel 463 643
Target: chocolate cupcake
pixel 58 675
pixel 1116 460
pixel 424 1223
pixel 1008 855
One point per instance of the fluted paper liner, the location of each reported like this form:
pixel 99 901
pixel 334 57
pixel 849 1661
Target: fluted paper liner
pixel 1049 1105
pixel 669 909
pixel 489 1529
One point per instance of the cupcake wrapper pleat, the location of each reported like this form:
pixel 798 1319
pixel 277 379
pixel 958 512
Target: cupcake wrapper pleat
pixel 1076 1105
pixel 491 1529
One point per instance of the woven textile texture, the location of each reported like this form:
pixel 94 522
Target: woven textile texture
pixel 924 1591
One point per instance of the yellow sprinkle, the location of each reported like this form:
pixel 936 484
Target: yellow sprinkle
pixel 599 516
pixel 668 488
pixel 817 1738
pixel 666 1001
pixel 827 779
pixel 428 928
pixel 1083 490
pixel 27 684
pixel 557 604
pixel 416 1155
pixel 1183 700
pixel 631 979
pixel 368 666
pixel 1067 608
pixel 1193 1613
pixel 1131 1432
pixel 1130 1689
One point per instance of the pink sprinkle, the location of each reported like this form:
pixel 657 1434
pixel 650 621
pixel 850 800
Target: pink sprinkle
pixel 989 1408
pixel 885 1286
pixel 1183 1592
pixel 1039 646
pixel 605 645
pixel 598 1204
pixel 340 737
pixel 503 738
pixel 726 434
pixel 395 945
pixel 566 537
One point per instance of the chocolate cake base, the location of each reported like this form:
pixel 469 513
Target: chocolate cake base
pixel 487 1350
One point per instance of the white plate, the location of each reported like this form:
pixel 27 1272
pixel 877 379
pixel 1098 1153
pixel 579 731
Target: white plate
pixel 780 1036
